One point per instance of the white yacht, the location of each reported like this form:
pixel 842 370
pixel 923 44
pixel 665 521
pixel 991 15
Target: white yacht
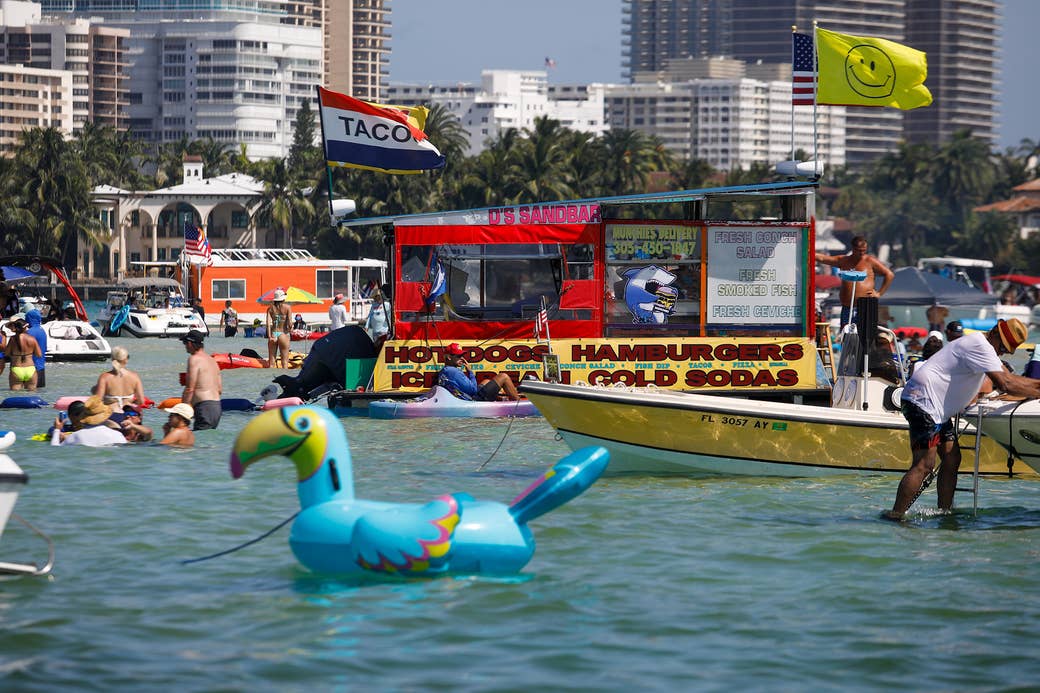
pixel 149 307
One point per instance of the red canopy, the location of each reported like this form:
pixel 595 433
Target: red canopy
pixel 1025 279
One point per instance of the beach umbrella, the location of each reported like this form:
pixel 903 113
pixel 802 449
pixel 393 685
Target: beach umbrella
pixel 292 295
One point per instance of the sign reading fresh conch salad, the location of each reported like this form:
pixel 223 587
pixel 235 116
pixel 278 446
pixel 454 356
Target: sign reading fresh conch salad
pixel 755 275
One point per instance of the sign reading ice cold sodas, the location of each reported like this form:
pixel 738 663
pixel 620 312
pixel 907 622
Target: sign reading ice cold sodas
pixel 755 275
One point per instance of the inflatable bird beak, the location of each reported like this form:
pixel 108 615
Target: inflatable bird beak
pixel 290 431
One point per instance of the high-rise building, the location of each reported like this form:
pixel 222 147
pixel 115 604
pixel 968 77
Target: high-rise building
pixel 230 70
pixel 507 99
pixel 956 36
pixel 94 53
pixel 960 39
pixel 33 98
pixel 356 35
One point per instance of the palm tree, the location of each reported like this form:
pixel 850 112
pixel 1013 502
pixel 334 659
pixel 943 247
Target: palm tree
pixel 446 133
pixel 216 156
pixel 285 205
pixel 540 162
pixel 963 173
pixel 630 156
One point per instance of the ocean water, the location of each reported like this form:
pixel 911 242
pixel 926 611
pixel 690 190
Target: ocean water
pixel 642 583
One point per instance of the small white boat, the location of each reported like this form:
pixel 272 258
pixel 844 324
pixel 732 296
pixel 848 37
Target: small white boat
pixel 70 336
pixel 149 307
pixel 12 480
pixel 1014 424
pixel 71 340
pixel 440 402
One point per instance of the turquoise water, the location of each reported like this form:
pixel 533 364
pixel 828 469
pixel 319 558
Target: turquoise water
pixel 639 584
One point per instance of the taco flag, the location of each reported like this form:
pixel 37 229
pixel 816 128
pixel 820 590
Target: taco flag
pixel 358 134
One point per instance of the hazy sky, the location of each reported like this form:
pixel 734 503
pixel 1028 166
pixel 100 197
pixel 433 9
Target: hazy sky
pixel 453 40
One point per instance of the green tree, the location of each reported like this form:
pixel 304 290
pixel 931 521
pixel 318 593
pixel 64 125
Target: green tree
pixel 284 206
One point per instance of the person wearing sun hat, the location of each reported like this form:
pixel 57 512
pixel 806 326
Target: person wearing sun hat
pixel 279 325
pixel 939 389
pixel 176 430
pixel 89 425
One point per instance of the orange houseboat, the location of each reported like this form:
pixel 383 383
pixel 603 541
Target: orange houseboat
pixel 700 289
pixel 243 275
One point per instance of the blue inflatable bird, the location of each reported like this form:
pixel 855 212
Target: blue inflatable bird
pixel 338 533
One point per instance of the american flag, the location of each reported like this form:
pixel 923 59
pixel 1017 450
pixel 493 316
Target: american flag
pixel 541 323
pixel 803 59
pixel 196 245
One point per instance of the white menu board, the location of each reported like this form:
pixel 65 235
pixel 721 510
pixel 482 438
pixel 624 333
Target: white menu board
pixel 755 275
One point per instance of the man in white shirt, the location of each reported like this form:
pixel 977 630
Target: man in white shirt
pixel 940 388
pixel 338 313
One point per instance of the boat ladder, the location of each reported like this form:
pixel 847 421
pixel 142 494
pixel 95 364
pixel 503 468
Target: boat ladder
pixel 825 348
pixel 977 448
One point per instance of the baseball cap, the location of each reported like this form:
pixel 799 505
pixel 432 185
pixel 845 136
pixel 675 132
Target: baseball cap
pixel 194 336
pixel 183 410
pixel 955 327
pixel 454 349
pixel 279 295
pixel 937 334
pixel 339 298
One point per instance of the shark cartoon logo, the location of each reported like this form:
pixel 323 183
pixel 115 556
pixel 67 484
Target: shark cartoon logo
pixel 649 294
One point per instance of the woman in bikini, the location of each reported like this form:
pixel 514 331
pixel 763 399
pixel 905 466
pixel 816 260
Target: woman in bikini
pixel 279 324
pixel 19 351
pixel 120 386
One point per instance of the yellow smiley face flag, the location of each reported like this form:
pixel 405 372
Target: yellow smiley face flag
pixel 863 71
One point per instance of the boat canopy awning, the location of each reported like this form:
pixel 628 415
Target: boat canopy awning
pixel 156 282
pixel 474 216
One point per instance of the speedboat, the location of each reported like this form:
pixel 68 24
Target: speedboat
pixel 70 336
pixel 71 340
pixel 149 307
pixel 12 480
pixel 652 430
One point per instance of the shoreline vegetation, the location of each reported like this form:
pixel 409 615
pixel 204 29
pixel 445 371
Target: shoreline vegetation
pixel 919 199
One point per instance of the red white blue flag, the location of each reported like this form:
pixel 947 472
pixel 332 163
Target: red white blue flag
pixel 196 245
pixel 364 135
pixel 803 73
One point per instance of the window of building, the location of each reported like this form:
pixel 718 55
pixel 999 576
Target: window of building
pixel 224 289
pixel 331 282
pixel 239 219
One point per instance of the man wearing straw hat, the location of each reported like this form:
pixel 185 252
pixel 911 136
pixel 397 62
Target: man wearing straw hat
pixel 940 388
pixel 89 425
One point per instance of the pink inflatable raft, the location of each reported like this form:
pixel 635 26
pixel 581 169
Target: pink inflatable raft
pixel 440 402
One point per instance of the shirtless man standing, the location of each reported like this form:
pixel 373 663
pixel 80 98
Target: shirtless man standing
pixel 279 324
pixel 19 351
pixel 858 259
pixel 202 384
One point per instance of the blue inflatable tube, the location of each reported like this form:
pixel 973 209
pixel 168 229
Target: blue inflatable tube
pixel 236 404
pixel 23 402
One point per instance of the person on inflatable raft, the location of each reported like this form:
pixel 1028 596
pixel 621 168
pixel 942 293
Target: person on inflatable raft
pixel 457 378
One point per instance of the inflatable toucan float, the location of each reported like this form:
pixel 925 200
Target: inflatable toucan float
pixel 338 533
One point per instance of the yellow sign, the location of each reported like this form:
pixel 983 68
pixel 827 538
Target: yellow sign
pixel 719 363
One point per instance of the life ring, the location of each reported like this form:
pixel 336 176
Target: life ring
pixel 119 319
